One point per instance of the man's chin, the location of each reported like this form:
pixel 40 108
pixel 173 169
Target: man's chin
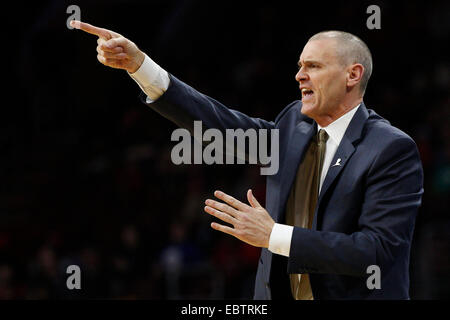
pixel 307 109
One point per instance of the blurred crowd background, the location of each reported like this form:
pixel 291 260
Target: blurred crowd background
pixel 85 169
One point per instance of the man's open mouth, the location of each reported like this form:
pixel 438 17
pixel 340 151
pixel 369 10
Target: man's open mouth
pixel 307 93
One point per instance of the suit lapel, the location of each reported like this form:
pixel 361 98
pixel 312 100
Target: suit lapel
pixel 300 139
pixel 344 152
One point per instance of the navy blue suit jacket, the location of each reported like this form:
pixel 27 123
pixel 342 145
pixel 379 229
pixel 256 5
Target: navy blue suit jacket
pixel 366 209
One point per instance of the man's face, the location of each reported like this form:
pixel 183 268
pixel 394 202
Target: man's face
pixel 322 78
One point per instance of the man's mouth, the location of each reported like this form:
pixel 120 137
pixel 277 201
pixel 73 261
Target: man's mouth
pixel 307 94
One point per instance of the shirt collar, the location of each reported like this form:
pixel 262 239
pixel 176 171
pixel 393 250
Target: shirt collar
pixel 337 128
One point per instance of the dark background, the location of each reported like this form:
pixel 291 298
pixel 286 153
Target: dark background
pixel 85 169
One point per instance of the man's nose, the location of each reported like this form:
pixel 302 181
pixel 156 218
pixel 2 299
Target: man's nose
pixel 301 75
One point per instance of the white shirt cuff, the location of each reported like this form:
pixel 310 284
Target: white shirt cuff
pixel 280 239
pixel 151 78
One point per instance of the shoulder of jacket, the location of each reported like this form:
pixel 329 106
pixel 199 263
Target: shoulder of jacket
pixel 294 106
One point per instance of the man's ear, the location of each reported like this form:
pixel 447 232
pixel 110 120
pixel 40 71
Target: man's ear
pixel 354 74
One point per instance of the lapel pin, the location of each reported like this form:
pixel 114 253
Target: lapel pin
pixel 338 162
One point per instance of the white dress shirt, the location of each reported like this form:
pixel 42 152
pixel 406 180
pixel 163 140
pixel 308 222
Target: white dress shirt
pixel 154 81
pixel 151 78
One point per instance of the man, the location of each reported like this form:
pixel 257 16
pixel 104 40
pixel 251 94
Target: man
pixel 345 198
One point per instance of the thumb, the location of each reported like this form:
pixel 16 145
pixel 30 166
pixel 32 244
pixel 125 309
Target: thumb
pixel 116 42
pixel 252 200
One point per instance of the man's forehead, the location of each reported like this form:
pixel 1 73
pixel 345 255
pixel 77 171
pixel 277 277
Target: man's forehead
pixel 321 49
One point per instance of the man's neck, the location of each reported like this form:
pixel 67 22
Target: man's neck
pixel 339 112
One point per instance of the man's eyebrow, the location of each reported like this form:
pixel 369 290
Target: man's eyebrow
pixel 308 62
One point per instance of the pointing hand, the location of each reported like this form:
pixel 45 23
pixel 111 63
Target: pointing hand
pixel 113 50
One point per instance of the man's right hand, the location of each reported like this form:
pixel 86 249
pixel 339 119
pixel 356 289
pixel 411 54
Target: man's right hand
pixel 113 50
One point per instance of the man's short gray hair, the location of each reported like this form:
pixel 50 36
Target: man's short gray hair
pixel 351 49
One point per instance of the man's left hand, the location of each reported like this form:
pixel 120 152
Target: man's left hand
pixel 252 224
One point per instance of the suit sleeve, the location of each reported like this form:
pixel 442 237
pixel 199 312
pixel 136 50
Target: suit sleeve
pixel 183 105
pixel 385 227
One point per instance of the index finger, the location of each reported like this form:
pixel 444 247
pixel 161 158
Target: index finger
pixel 231 201
pixel 100 32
